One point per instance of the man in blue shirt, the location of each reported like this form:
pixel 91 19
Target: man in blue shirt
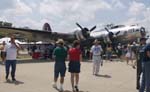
pixel 146 68
pixel 140 55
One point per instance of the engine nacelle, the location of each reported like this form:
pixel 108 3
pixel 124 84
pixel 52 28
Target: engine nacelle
pixel 143 32
pixel 79 35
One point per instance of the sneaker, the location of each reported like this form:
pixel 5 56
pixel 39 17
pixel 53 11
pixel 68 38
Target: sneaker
pixel 8 80
pixel 54 85
pixel 133 67
pixel 13 79
pixel 76 88
pixel 61 89
pixel 96 74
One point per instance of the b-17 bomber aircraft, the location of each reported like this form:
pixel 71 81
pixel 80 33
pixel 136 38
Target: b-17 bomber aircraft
pixel 111 33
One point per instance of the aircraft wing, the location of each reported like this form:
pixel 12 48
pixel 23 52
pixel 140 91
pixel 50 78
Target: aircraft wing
pixel 34 35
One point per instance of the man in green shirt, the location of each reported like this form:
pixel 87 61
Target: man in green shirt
pixel 60 55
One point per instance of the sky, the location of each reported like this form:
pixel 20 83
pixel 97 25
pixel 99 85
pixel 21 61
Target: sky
pixel 63 14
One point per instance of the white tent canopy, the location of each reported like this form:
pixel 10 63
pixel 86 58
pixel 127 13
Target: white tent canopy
pixel 7 39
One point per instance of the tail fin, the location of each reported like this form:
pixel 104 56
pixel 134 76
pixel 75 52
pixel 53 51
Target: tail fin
pixel 46 27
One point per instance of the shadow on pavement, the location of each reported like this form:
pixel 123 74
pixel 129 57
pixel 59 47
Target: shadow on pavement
pixel 30 61
pixel 72 91
pixel 17 82
pixel 68 90
pixel 105 76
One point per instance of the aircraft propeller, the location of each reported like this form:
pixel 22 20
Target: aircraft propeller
pixel 93 28
pixel 85 31
pixel 111 34
pixel 117 33
pixel 79 26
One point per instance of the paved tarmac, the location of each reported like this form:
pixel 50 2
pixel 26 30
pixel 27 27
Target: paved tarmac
pixel 38 77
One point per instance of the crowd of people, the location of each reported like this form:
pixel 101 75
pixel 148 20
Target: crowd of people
pixel 61 53
pixel 41 51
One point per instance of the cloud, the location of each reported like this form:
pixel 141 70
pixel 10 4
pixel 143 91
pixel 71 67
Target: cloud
pixel 27 22
pixel 5 4
pixel 117 4
pixel 146 20
pixel 16 13
pixel 147 14
pixel 3 18
pixel 19 8
pixel 72 9
pixel 139 14
pixel 67 12
pixel 136 8
pixel 63 14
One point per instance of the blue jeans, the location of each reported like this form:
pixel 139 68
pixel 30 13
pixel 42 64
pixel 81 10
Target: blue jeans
pixel 147 76
pixel 142 78
pixel 12 64
pixel 142 85
pixel 109 55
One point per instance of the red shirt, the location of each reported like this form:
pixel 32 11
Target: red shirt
pixel 74 54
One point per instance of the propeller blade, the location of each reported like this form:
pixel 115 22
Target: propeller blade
pixel 107 29
pixel 79 26
pixel 92 28
pixel 117 33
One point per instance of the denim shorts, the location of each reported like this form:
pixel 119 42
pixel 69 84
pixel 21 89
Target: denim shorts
pixel 60 68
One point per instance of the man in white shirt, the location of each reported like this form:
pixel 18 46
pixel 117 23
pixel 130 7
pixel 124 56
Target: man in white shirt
pixel 11 55
pixel 96 51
